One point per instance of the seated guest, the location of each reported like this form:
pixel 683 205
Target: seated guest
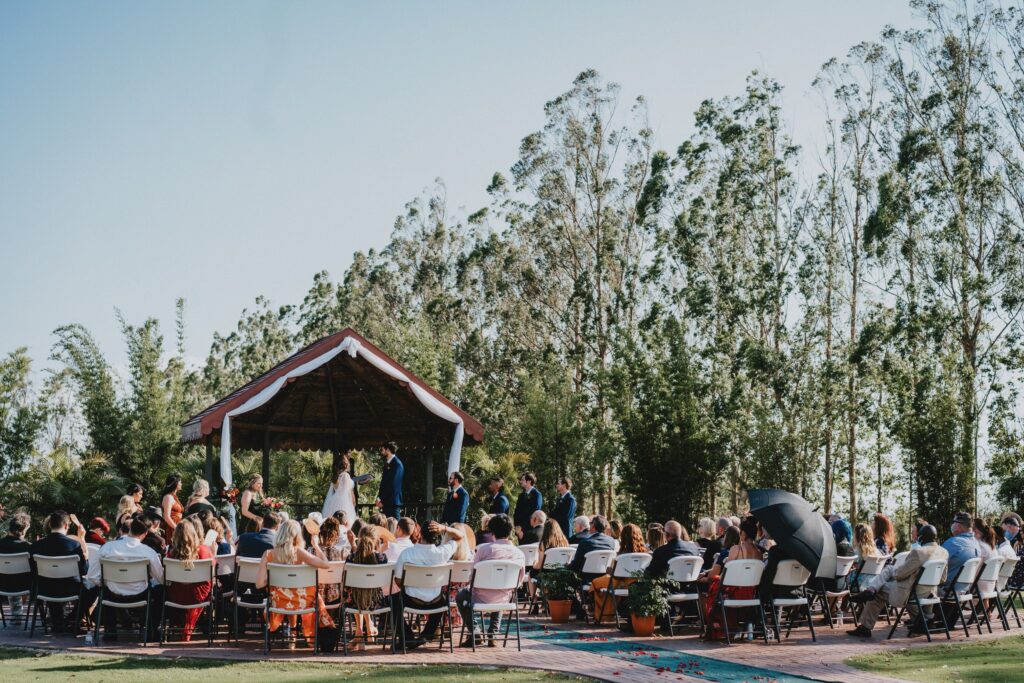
pixel 631 540
pixel 345 536
pixel 57 543
pixel 551 538
pixel 743 549
pixel 843 534
pixel 431 550
pixel 253 545
pixel 580 529
pixel 483 534
pixel 98 530
pixel 864 545
pixel 187 546
pixel 1010 531
pixel 466 546
pixel 729 540
pixel 896 590
pixel 767 586
pixel 532 535
pixel 675 546
pixel 330 530
pixel 12 544
pixel 764 540
pixel 705 533
pixel 154 537
pixel 655 536
pixel 715 545
pixel 198 500
pixel 961 546
pixel 985 535
pixel 130 547
pixel 366 550
pixel 500 549
pixel 403 539
pixel 288 550
pixel 597 540
pixel 885 534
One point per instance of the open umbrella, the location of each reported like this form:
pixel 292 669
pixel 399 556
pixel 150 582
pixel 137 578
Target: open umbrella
pixel 798 527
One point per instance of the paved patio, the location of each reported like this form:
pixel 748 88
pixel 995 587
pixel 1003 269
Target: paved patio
pixel 596 652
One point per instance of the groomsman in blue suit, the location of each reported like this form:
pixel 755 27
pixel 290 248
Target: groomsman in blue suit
pixel 529 502
pixel 389 495
pixel 499 501
pixel 565 509
pixel 457 504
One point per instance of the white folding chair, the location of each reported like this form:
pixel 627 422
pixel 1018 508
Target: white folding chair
pixel 923 593
pixel 740 574
pixel 1005 593
pixel 295 577
pixel 123 571
pixel 435 577
pixel 495 575
pixel 177 572
pixel 247 570
pixel 899 558
pixel 64 567
pixel 558 557
pixel 16 565
pixel 594 562
pixel 986 588
pixel 462 572
pixel 530 553
pixel 684 570
pixel 625 567
pixel 844 565
pixel 870 567
pixel 331 576
pixel 960 592
pixel 369 576
pixel 790 575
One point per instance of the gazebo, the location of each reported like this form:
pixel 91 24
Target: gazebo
pixel 338 393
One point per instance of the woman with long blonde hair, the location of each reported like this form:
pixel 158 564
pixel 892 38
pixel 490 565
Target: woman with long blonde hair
pixel 465 546
pixel 198 501
pixel 288 550
pixel 366 550
pixel 247 504
pixel 187 547
pixel 864 542
pixel 125 506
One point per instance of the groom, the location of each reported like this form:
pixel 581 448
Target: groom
pixel 389 495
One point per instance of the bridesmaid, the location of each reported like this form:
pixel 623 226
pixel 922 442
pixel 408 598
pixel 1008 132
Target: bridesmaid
pixel 249 504
pixel 170 505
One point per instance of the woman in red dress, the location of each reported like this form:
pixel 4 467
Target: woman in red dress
pixel 739 545
pixel 170 506
pixel 187 546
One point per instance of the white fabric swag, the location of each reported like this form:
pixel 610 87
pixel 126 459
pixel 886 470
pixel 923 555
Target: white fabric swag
pixel 354 348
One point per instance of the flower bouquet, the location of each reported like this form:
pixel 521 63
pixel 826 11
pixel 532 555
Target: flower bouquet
pixel 230 495
pixel 273 504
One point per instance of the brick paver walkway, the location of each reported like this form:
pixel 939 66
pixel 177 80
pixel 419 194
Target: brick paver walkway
pixel 601 653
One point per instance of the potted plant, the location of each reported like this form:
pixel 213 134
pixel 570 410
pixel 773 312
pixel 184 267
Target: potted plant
pixel 559 585
pixel 647 601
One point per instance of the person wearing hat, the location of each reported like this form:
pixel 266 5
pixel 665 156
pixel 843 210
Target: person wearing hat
pixel 98 530
pixel 961 545
pixel 153 539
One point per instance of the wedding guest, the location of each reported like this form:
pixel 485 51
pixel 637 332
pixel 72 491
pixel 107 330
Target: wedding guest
pixel 580 529
pixel 153 538
pixel 466 546
pixel 864 542
pixel 171 508
pixel 885 534
pixel 744 549
pixel 705 533
pixel 552 537
pixel 715 545
pixel 330 531
pixel 500 549
pixel 198 500
pixel 57 543
pixel 483 535
pixel 288 550
pixel 655 536
pixel 529 501
pixel 367 550
pixel 187 546
pixel 125 506
pixel 136 491
pixel 597 540
pixel 403 539
pixel 499 501
pixel 249 503
pixel 130 547
pixel 532 534
pixel 631 540
pixel 432 550
pixel 98 530
pixel 565 509
pixel 12 544
pixel 677 544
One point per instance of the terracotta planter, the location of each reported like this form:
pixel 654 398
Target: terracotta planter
pixel 560 610
pixel 642 626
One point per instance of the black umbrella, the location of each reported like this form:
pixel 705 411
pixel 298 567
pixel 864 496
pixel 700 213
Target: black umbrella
pixel 797 527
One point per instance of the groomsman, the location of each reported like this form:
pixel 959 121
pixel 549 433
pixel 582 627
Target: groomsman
pixel 565 509
pixel 457 503
pixel 389 495
pixel 499 501
pixel 529 501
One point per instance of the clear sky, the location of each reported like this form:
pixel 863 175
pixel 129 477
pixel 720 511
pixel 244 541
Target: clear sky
pixel 218 151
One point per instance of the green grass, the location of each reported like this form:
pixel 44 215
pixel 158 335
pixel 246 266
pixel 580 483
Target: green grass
pixel 20 664
pixel 993 661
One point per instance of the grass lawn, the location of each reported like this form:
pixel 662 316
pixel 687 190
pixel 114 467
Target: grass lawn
pixel 37 665
pixel 993 661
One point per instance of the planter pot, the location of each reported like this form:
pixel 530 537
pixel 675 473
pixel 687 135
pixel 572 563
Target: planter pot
pixel 642 626
pixel 560 610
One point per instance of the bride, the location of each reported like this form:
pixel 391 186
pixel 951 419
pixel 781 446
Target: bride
pixel 341 493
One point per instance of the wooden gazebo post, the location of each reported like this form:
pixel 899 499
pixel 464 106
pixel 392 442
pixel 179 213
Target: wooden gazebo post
pixel 266 461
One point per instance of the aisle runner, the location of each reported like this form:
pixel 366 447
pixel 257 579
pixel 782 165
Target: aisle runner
pixel 664 660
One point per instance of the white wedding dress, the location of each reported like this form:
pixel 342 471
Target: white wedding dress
pixel 339 497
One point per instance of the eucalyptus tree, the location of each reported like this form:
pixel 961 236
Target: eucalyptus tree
pixel 21 416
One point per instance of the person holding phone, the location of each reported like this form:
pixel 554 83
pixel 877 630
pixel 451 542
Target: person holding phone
pixel 58 543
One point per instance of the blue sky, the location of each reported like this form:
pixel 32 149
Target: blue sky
pixel 218 151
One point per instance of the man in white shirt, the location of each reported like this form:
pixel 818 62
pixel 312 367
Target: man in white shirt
pixel 130 547
pixel 403 539
pixel 432 550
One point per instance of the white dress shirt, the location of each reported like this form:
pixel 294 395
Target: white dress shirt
pixel 128 548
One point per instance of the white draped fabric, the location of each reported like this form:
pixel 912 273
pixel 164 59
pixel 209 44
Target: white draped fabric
pixel 354 348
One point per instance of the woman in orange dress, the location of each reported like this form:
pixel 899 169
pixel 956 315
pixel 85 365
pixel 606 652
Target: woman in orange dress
pixel 187 546
pixel 631 540
pixel 170 506
pixel 288 550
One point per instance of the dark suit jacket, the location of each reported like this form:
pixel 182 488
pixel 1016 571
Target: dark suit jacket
pixel 156 542
pixel 531 535
pixel 455 507
pixel 771 566
pixel 499 504
pixel 255 543
pixel 390 491
pixel 527 504
pixel 673 548
pixel 711 552
pixel 59 545
pixel 15 583
pixel 575 540
pixel 564 512
pixel 595 542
